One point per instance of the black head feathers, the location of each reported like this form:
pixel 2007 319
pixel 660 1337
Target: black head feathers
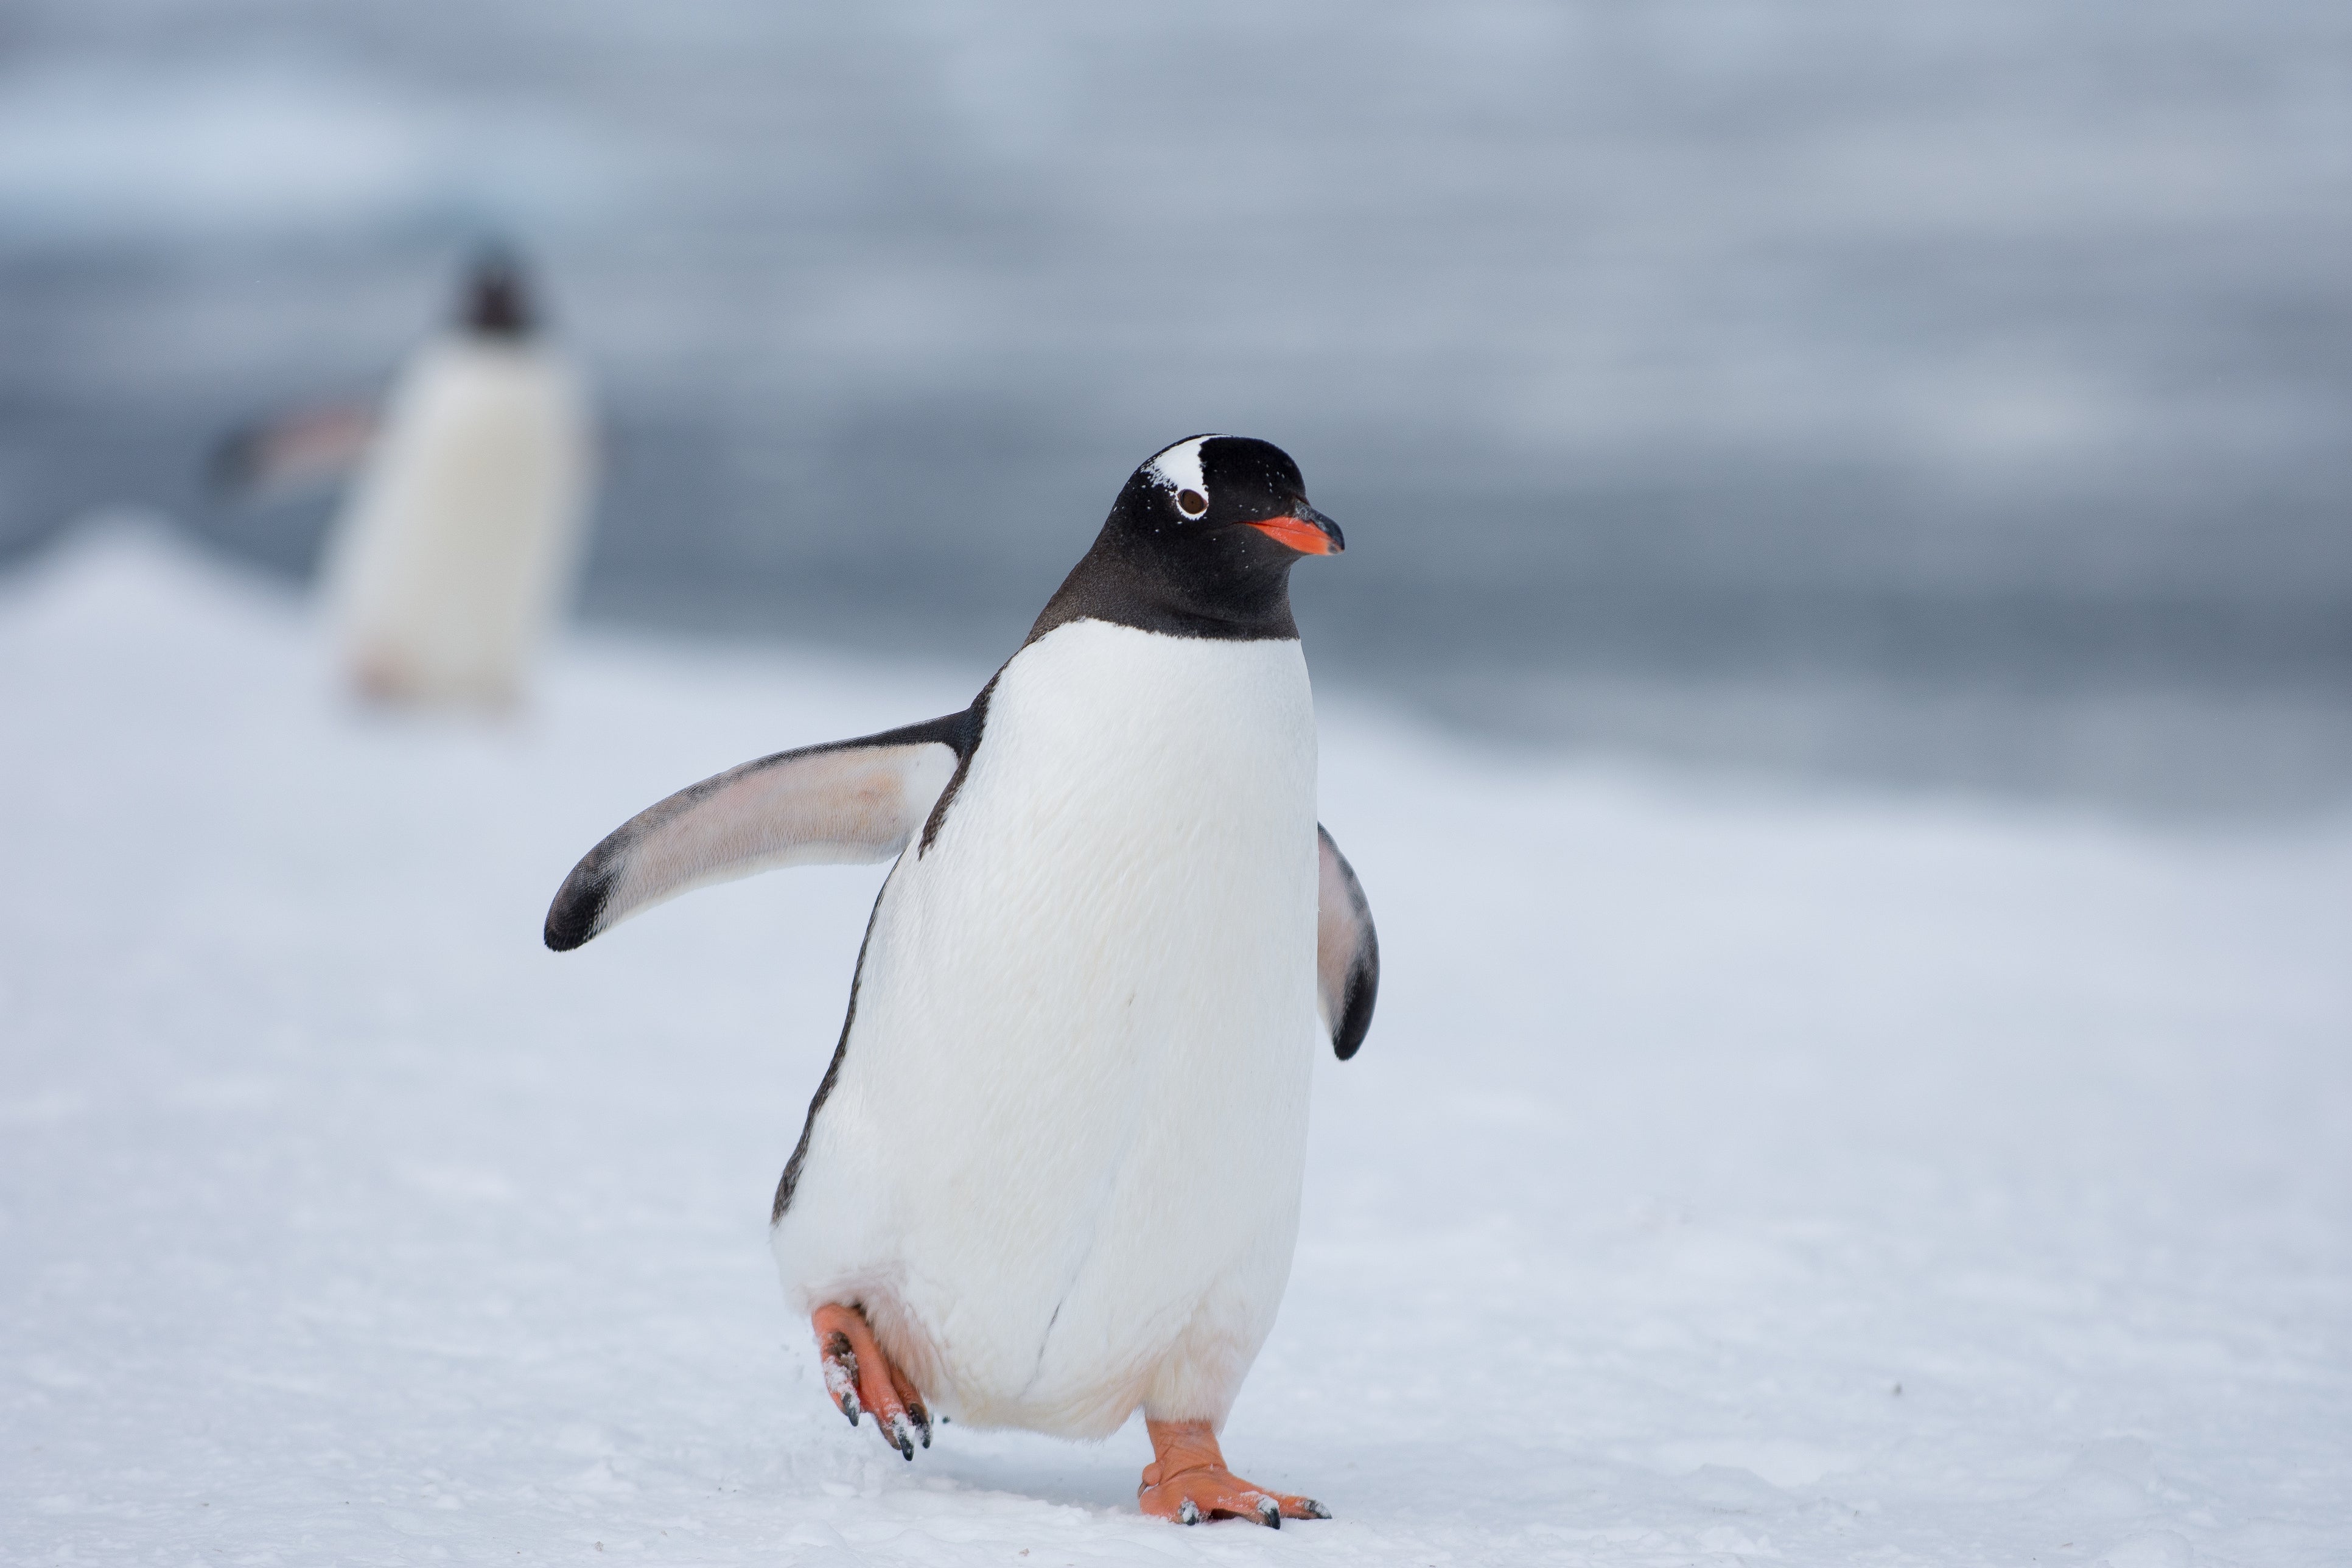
pixel 495 300
pixel 1200 543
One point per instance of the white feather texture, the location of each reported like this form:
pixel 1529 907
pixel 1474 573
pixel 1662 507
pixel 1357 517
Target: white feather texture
pixel 462 535
pixel 1060 1165
pixel 1178 467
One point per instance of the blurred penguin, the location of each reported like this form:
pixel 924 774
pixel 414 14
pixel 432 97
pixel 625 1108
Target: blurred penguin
pixel 459 541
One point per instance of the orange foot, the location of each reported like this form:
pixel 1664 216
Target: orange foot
pixel 859 1377
pixel 1188 1482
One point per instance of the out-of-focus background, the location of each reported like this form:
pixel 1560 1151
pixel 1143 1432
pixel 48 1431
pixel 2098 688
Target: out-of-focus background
pixel 1950 396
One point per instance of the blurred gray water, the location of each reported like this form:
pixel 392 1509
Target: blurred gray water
pixel 1952 394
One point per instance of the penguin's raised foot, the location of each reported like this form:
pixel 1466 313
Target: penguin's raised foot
pixel 1188 1482
pixel 860 1378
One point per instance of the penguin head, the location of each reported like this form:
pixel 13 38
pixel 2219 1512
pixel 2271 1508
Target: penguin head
pixel 1200 543
pixel 1224 500
pixel 495 301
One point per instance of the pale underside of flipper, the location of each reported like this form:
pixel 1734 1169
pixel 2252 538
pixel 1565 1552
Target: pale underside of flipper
pixel 1347 951
pixel 316 445
pixel 850 801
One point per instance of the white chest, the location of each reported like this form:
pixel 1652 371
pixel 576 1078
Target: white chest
pixel 460 538
pixel 1170 756
pixel 1132 850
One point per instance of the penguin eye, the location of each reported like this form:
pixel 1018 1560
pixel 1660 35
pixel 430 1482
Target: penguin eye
pixel 1192 503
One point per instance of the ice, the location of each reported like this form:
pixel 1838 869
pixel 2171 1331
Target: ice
pixel 342 1222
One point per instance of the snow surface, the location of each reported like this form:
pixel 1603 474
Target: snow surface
pixel 1729 1175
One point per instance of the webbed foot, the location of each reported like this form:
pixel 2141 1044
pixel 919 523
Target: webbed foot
pixel 1188 1482
pixel 860 1378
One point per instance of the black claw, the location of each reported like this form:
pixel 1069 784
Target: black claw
pixel 1188 1511
pixel 922 1420
pixel 838 1353
pixel 1313 1509
pixel 1269 1514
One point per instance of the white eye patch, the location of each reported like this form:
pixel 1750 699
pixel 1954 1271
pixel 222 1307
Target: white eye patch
pixel 1179 469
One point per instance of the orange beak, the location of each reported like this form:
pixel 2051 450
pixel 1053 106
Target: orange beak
pixel 1306 531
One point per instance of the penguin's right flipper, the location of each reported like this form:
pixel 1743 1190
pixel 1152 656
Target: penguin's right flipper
pixel 841 803
pixel 285 451
pixel 1347 949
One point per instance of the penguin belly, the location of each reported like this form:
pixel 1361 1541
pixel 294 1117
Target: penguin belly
pixel 460 537
pixel 1059 1160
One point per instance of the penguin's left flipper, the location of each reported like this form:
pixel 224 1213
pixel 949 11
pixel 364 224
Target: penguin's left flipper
pixel 1347 951
pixel 288 450
pixel 851 800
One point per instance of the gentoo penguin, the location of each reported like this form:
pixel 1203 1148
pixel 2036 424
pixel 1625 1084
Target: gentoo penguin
pixel 1052 1172
pixel 459 540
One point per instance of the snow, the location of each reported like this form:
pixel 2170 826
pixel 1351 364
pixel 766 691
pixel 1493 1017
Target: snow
pixel 1731 1175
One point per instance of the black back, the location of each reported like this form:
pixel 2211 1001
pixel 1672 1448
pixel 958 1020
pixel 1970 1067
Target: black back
pixel 1175 558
